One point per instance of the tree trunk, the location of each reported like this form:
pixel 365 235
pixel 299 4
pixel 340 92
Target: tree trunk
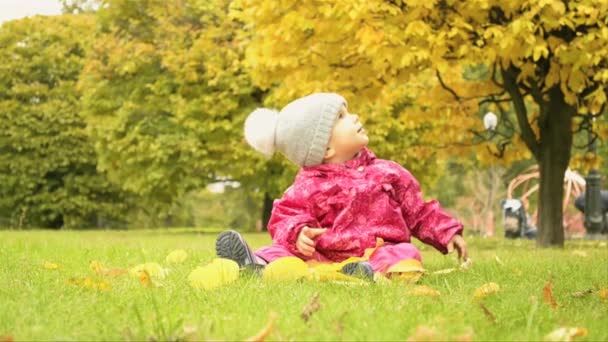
pixel 266 210
pixel 553 159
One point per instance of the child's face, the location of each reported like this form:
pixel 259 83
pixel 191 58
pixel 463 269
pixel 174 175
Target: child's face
pixel 348 135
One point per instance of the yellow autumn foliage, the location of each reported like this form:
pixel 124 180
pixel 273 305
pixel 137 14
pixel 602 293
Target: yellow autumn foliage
pixel 486 290
pixel 177 256
pixel 218 273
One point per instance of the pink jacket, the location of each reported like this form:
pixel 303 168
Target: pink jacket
pixel 358 201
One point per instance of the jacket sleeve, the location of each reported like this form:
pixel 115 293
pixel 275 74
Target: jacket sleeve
pixel 289 215
pixel 427 221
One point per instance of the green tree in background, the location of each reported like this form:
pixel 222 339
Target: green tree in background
pixel 48 175
pixel 165 97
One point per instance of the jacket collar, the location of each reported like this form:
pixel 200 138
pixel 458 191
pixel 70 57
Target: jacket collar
pixel 364 158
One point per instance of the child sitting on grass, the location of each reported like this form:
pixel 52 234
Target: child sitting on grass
pixel 343 197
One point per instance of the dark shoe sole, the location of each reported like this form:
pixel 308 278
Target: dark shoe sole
pixel 230 245
pixel 359 269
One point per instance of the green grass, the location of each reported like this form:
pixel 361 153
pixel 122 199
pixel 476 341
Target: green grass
pixel 40 304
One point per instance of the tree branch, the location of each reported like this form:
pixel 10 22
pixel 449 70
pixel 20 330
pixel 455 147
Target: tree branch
pixel 493 77
pixel 537 95
pixel 444 86
pixel 493 100
pixel 458 97
pixel 511 86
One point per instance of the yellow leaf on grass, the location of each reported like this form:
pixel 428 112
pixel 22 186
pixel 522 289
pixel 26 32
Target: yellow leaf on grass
pixel 426 333
pixel 218 273
pixel 99 269
pixel 285 269
pixel 50 265
pixel 423 290
pixel 409 270
pixel 153 269
pixel 177 256
pixel 331 272
pixel 380 279
pixel 580 253
pixel 96 266
pixel 485 290
pixel 266 330
pixel 604 294
pixel 114 272
pixel 566 334
pixel 144 278
pixel 313 306
pixel 548 295
pixel 498 260
pixel 89 283
pixel 444 271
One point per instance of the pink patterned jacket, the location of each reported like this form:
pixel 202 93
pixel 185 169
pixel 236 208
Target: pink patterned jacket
pixel 358 201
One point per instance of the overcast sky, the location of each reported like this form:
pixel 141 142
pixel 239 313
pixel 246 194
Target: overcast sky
pixel 14 9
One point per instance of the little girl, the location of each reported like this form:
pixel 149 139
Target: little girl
pixel 343 197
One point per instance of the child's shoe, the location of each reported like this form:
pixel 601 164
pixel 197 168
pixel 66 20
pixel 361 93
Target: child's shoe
pixel 359 269
pixel 231 245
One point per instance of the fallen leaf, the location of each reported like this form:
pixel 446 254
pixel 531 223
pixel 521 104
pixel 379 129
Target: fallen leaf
pixel 580 294
pixel 286 269
pixel 498 260
pixel 466 337
pixel 423 290
pixel 313 306
pixel 381 279
pixel 50 265
pixel 89 283
pixel 409 270
pixel 339 324
pixel 96 266
pixel 566 334
pixel 580 253
pixel 99 269
pixel 215 274
pixel 144 278
pixel 444 271
pixel 548 295
pixel 604 294
pixel 489 315
pixel 485 290
pixel 154 270
pixel 186 333
pixel 330 272
pixel 114 272
pixel 177 256
pixel 266 330
pixel 425 333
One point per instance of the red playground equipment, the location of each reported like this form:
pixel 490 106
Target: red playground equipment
pixel 526 184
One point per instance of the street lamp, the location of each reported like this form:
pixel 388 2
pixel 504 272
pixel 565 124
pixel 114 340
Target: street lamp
pixel 593 205
pixel 490 121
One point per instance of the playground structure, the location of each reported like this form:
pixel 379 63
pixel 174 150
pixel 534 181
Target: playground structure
pixel 527 184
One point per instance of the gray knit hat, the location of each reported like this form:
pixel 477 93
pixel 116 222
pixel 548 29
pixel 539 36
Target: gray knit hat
pixel 301 131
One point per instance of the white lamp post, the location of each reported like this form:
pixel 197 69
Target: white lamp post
pixel 490 120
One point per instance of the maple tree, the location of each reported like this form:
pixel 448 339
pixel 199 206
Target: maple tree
pixel 425 72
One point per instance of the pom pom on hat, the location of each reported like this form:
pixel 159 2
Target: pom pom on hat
pixel 260 128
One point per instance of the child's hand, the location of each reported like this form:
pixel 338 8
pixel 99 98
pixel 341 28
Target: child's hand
pixel 305 243
pixel 461 246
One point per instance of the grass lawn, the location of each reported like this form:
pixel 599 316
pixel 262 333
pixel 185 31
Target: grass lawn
pixel 37 303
